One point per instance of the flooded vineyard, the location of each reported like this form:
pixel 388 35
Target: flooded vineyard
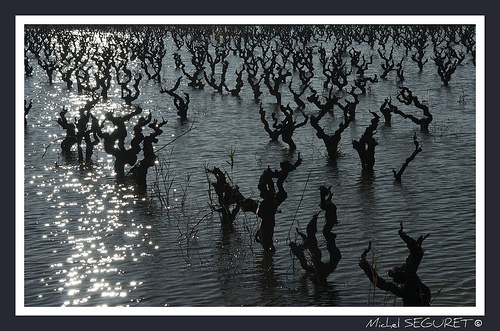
pixel 249 165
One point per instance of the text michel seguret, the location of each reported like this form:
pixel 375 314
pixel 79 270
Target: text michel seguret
pixel 420 322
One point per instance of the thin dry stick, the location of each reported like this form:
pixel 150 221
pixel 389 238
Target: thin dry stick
pixel 53 141
pixel 298 206
pixel 172 141
pixel 439 291
pixel 201 219
pixel 161 169
pixel 209 190
pixel 184 194
pixel 373 287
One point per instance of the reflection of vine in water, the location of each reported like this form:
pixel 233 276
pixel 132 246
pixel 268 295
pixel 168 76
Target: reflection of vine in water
pixel 406 198
pixel 326 293
pixel 269 285
pixel 366 191
pixel 200 108
pixel 462 99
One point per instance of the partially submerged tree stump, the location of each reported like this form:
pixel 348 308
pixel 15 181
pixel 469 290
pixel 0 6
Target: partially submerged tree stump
pixel 418 149
pixel 140 170
pixel 316 268
pixel 272 199
pixel 230 199
pixel 332 141
pixel 182 104
pixel 406 96
pixel 365 146
pixel 405 282
pixel 285 128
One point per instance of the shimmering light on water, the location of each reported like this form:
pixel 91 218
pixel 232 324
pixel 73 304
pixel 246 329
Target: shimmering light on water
pixel 91 242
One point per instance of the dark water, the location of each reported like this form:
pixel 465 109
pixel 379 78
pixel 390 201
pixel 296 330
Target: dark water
pixel 90 241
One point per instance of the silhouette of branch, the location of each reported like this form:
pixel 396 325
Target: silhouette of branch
pixel 418 149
